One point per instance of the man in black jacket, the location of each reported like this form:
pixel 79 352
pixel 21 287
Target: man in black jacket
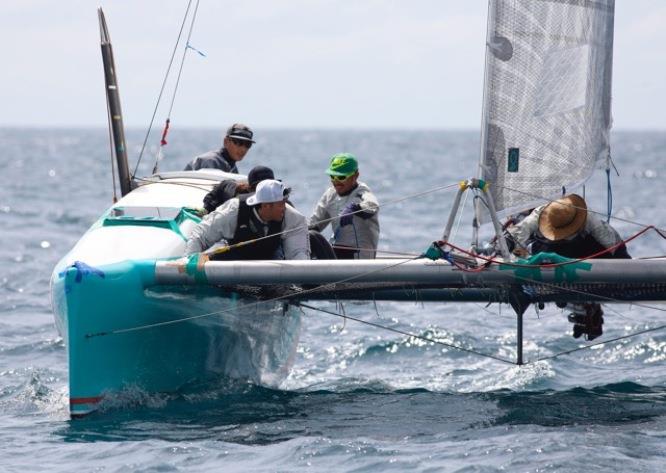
pixel 237 142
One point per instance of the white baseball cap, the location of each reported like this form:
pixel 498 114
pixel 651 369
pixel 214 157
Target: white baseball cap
pixel 269 190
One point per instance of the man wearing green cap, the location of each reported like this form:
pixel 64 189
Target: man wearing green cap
pixel 350 208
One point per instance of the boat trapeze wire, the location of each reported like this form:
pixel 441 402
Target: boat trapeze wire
pixel 490 260
pixel 661 231
pixel 587 347
pixel 164 81
pixel 186 49
pixel 284 297
pixel 408 334
pixel 227 248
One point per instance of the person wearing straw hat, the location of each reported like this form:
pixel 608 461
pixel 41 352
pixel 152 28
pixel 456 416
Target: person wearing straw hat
pixel 565 227
pixel 257 226
pixel 351 209
pixel 237 142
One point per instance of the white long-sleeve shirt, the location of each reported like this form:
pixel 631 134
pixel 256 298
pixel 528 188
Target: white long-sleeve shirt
pixel 221 223
pixel 363 232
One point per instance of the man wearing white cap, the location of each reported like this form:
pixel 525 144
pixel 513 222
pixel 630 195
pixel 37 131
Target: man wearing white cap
pixel 273 228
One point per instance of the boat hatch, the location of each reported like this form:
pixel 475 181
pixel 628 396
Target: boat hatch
pixel 163 217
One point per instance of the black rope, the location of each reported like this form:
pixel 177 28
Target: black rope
pixel 284 297
pixel 182 61
pixel 609 299
pixel 547 199
pixel 567 352
pixel 175 88
pixel 408 334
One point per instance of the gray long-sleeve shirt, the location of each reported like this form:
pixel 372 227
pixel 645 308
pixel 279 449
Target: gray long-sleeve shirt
pixel 601 231
pixel 221 225
pixel 364 230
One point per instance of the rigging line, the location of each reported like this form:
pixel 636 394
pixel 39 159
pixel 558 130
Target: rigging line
pixel 408 334
pixel 609 196
pixel 618 313
pixel 388 252
pixel 632 222
pixel 182 62
pixel 249 304
pixel 224 249
pixel 395 201
pixel 567 352
pixel 551 265
pixel 159 97
pixel 148 181
pixel 651 257
pixel 559 288
pixel 163 141
pixel 554 286
pixel 587 293
pixel 328 220
pixel 609 299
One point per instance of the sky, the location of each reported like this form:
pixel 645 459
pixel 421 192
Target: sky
pixel 289 64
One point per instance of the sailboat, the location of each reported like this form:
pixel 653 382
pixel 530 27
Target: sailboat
pixel 134 314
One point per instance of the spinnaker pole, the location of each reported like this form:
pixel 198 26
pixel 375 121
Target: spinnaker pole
pixel 113 102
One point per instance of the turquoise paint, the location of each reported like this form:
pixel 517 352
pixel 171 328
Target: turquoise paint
pixel 192 268
pixel 173 224
pixel 154 359
pixel 162 358
pixel 532 270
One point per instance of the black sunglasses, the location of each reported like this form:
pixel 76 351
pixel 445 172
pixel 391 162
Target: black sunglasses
pixel 245 143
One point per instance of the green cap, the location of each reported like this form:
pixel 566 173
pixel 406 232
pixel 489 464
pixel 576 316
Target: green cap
pixel 342 164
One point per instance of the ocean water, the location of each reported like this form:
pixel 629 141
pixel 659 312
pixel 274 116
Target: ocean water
pixel 358 398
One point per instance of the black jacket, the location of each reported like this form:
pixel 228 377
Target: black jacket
pixel 215 159
pixel 222 192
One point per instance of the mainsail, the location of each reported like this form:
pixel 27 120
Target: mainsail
pixel 547 97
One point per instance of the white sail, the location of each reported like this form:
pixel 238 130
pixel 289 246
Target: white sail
pixel 547 95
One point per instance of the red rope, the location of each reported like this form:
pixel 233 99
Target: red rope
pixel 547 265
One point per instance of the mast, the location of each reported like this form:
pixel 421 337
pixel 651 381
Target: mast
pixel 114 110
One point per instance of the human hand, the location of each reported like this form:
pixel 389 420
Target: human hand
pixel 347 214
pixel 521 252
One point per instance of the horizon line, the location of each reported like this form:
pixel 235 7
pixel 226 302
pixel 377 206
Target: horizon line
pixel 294 128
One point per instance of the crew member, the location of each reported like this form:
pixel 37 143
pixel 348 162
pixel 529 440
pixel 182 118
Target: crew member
pixel 237 142
pixel 566 227
pixel 351 209
pixel 273 229
pixel 230 188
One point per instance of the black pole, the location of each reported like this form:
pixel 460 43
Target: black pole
pixel 115 112
pixel 519 339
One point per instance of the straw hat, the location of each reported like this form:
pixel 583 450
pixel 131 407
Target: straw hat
pixel 563 217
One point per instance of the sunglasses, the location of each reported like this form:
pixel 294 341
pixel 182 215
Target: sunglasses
pixel 339 178
pixel 244 143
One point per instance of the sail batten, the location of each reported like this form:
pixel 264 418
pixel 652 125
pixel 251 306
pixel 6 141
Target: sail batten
pixel 547 92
